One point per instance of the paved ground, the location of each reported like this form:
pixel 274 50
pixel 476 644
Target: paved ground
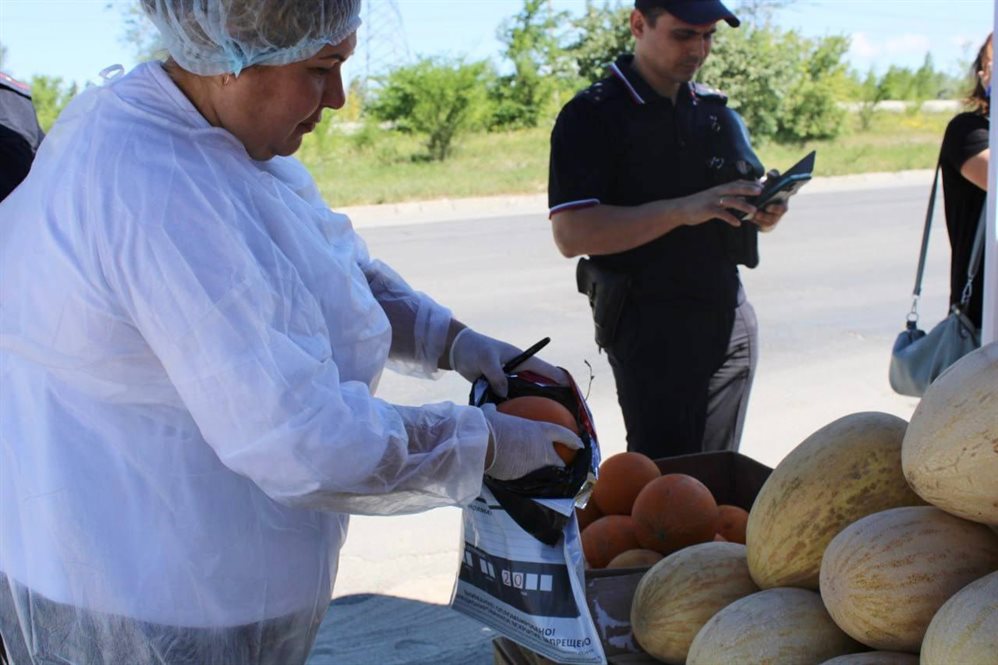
pixel 831 293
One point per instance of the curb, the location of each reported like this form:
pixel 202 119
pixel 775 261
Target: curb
pixel 448 210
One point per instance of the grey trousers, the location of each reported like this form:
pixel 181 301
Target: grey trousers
pixel 728 394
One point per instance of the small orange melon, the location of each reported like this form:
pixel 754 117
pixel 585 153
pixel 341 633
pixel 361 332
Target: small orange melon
pixel 731 521
pixel 674 511
pixel 621 477
pixel 607 537
pixel 588 515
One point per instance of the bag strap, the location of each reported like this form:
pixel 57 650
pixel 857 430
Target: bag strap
pixel 917 292
pixel 975 257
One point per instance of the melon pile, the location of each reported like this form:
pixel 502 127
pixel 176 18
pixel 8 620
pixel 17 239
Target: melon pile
pixel 636 515
pixel 873 541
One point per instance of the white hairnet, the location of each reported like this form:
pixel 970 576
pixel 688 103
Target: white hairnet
pixel 210 37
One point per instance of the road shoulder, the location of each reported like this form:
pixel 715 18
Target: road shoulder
pixel 447 210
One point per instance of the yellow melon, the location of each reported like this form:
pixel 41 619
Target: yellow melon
pixel 885 576
pixel 774 627
pixel 846 470
pixel 637 558
pixel 965 629
pixel 950 452
pixel 677 596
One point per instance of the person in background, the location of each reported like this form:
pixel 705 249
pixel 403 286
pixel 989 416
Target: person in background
pixel 964 158
pixel 632 185
pixel 20 133
pixel 20 136
pixel 191 341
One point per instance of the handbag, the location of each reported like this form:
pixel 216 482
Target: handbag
pixel 918 358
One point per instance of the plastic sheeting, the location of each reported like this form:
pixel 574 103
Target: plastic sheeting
pixel 190 343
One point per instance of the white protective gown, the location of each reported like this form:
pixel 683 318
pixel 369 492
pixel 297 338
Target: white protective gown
pixel 189 345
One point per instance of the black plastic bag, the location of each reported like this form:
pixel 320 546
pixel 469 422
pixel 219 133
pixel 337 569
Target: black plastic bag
pixel 574 481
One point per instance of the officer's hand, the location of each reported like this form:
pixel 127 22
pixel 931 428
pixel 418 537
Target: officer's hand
pixel 767 218
pixel 718 202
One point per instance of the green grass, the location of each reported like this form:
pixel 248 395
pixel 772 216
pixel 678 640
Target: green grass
pixel 377 166
pixel 386 167
pixel 895 142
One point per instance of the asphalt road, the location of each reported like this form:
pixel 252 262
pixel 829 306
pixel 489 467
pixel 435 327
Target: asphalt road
pixel 831 293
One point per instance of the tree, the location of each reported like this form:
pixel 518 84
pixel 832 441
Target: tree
pixel 784 86
pixel 926 82
pixel 758 12
pixel 436 97
pixel 140 33
pixel 533 48
pixel 50 95
pixel 811 110
pixel 752 67
pixel 872 92
pixel 601 34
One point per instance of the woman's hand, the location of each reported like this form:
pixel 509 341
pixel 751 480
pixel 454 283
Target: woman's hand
pixel 518 446
pixel 473 355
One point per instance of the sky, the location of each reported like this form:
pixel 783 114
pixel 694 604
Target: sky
pixel 76 39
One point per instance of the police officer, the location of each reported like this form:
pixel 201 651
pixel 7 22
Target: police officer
pixel 649 177
pixel 19 133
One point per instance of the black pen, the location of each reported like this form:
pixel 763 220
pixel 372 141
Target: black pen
pixel 516 361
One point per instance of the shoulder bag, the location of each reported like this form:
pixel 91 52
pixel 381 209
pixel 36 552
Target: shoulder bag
pixel 918 358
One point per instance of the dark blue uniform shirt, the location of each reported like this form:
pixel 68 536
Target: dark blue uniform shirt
pixel 621 143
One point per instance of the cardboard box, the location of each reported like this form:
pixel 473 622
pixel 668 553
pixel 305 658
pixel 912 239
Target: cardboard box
pixel 733 478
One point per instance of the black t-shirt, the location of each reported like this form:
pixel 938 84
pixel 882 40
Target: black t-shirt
pixel 621 143
pixel 966 136
pixel 19 133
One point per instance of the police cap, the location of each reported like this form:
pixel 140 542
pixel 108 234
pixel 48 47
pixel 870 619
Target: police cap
pixel 695 12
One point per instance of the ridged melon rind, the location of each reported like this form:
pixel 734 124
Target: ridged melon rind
pixel 950 451
pixel 846 470
pixel 680 593
pixel 784 626
pixel 875 658
pixel 885 576
pixel 965 629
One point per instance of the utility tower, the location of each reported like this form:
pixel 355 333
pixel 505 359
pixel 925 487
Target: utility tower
pixel 383 42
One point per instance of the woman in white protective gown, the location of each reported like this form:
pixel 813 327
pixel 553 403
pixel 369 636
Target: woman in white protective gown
pixel 190 342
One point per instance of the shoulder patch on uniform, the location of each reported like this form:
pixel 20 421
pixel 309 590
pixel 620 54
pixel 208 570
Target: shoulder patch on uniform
pixel 15 85
pixel 600 91
pixel 708 93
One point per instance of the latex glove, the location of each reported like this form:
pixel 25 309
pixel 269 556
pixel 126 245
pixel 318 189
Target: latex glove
pixel 521 446
pixel 473 355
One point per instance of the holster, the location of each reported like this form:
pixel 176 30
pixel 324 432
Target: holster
pixel 607 293
pixel 741 244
